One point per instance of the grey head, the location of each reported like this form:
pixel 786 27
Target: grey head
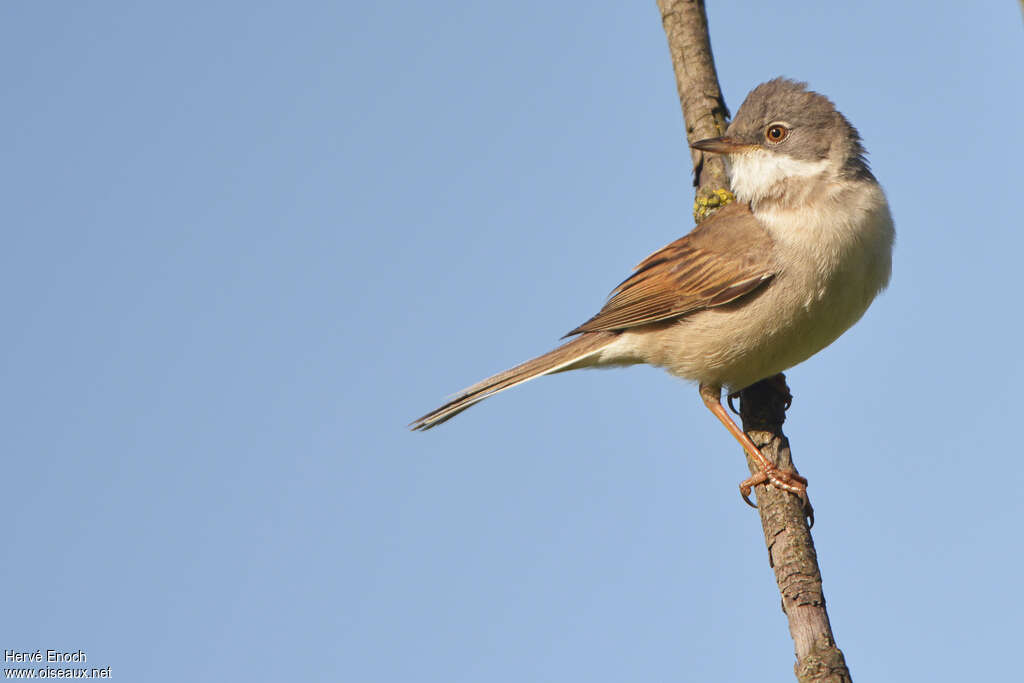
pixel 782 120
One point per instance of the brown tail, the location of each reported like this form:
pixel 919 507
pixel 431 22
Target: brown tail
pixel 568 356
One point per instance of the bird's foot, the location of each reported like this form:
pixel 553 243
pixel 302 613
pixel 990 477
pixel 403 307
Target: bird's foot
pixel 769 473
pixel 781 479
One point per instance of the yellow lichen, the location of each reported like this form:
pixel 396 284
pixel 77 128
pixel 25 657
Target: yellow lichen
pixel 705 205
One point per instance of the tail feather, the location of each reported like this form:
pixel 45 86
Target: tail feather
pixel 566 357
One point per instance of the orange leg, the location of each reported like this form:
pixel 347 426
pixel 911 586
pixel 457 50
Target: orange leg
pixel 770 474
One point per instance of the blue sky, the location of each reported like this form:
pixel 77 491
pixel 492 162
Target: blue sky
pixel 245 244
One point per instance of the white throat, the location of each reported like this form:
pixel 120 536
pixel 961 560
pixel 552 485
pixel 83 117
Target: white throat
pixel 758 175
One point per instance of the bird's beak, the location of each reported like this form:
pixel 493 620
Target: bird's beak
pixel 722 145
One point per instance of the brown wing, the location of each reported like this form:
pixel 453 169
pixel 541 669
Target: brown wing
pixel 725 257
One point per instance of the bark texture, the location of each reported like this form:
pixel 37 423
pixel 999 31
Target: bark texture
pixel 763 405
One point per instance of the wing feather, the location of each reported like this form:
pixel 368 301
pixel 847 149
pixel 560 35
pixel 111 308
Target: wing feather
pixel 724 258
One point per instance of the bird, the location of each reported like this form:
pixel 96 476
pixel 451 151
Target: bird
pixel 761 285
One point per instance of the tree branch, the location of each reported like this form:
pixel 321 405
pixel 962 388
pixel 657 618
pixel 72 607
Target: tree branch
pixel 791 551
pixel 763 406
pixel 704 110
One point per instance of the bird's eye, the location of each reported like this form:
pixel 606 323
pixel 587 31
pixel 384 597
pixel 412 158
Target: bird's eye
pixel 776 133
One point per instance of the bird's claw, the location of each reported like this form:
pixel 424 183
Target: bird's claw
pixel 779 382
pixel 808 509
pixel 745 493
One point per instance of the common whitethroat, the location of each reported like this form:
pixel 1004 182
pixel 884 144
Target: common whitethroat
pixel 761 285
